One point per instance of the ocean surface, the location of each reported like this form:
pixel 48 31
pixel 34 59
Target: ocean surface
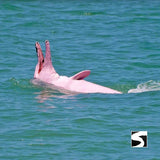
pixel 119 41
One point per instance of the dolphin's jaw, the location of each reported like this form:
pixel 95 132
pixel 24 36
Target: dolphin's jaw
pixel 44 68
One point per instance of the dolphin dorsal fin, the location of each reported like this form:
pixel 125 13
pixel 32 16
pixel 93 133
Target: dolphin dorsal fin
pixel 81 75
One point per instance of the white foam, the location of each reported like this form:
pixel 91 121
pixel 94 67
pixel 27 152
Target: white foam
pixel 146 87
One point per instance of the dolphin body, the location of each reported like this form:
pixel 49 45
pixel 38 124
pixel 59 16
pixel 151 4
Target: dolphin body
pixel 45 72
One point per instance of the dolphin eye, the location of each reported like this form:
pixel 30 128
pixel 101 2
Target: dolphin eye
pixel 43 61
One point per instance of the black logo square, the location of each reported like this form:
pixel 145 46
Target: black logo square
pixel 139 139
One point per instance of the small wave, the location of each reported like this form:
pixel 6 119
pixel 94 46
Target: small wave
pixel 146 87
pixel 20 83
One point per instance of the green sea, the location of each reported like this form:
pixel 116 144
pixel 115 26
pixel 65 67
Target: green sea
pixel 119 41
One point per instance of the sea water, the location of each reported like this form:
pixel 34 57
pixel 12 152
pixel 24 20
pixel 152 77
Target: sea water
pixel 118 41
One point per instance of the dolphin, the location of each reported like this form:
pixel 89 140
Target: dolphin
pixel 44 71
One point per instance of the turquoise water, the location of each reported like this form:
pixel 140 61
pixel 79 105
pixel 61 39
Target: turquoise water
pixel 118 41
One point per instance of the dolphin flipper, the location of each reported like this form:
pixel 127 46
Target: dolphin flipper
pixel 81 75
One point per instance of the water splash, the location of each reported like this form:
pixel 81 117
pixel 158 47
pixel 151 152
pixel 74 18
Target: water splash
pixel 20 83
pixel 146 87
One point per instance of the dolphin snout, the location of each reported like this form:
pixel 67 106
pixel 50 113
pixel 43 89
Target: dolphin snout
pixel 37 44
pixel 47 42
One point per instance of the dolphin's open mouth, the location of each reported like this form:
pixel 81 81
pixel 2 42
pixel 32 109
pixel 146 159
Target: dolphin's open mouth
pixel 40 56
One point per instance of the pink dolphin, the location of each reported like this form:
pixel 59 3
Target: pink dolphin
pixel 45 72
